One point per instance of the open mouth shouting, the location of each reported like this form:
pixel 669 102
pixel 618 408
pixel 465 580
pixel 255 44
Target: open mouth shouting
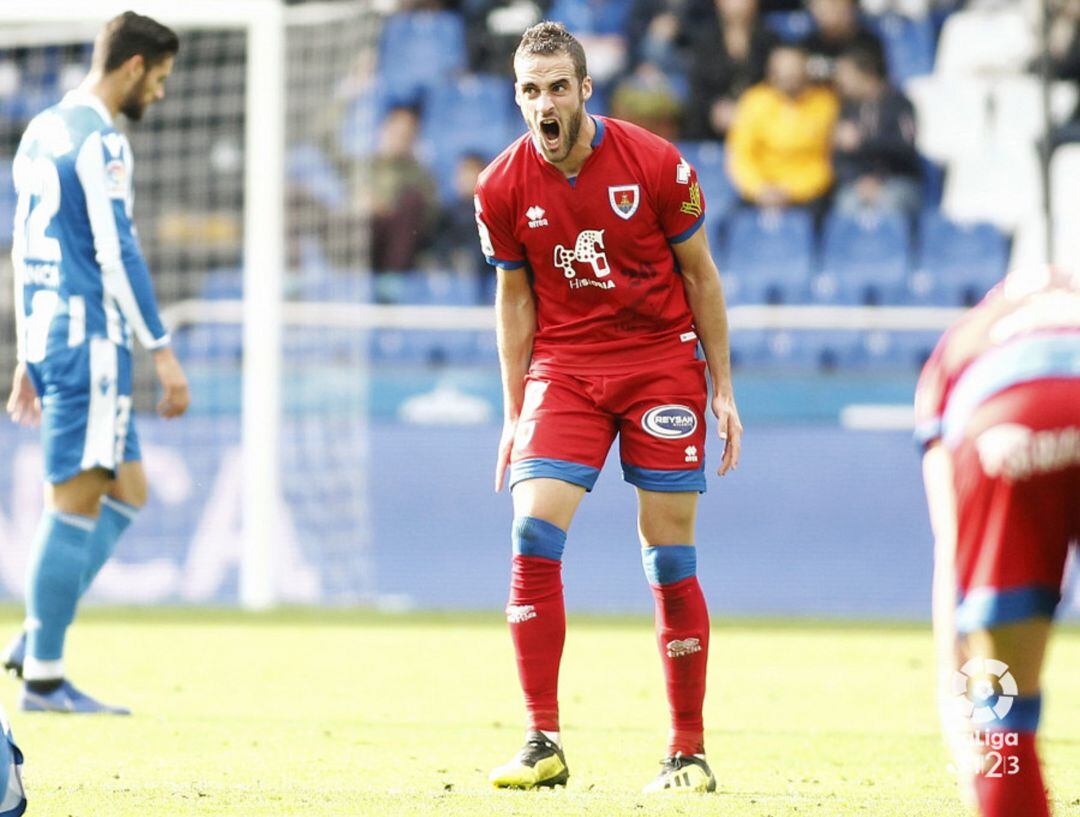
pixel 551 135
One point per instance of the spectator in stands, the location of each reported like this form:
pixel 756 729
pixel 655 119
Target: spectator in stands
pixel 493 29
pixel 728 51
pixel 780 138
pixel 647 98
pixel 403 196
pixel 456 246
pixel 837 28
pixel 877 165
pixel 1064 55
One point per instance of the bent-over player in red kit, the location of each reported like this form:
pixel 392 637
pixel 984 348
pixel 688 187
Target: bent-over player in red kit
pixel 998 408
pixel 606 289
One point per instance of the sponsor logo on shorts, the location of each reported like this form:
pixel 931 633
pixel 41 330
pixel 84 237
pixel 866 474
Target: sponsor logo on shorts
pixel 691 453
pixel 518 613
pixel 680 649
pixel 671 422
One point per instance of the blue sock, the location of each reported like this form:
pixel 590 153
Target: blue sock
pixel 113 521
pixel 57 564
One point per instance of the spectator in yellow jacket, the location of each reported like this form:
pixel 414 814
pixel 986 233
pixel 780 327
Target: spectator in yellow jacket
pixel 780 140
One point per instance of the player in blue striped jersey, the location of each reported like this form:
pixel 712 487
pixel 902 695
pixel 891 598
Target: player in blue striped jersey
pixel 82 293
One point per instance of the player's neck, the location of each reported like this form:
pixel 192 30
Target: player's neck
pixel 582 149
pixel 105 89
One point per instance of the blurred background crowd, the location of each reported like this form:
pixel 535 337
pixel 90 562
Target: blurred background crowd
pixel 876 152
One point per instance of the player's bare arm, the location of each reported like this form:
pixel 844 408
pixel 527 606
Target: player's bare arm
pixel 515 325
pixel 941 500
pixel 706 299
pixel 23 405
pixel 175 397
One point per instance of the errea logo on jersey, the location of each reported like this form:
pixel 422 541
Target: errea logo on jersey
pixel 535 214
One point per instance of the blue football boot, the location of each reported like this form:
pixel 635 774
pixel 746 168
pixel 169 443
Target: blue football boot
pixel 66 698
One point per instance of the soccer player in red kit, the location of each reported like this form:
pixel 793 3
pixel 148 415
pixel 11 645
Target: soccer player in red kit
pixel 998 409
pixel 606 288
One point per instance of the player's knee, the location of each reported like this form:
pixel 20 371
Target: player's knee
pixel 134 494
pixel 667 564
pixel 536 537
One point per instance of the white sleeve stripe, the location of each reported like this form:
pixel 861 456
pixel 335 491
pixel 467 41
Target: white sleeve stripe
pixel 90 167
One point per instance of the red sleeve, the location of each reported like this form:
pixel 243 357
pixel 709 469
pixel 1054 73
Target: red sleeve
pixel 497 241
pixel 681 204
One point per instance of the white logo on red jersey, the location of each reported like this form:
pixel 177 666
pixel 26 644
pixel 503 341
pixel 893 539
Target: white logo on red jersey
pixel 624 199
pixel 535 215
pixel 691 453
pixel 588 249
pixel 682 171
pixel 485 237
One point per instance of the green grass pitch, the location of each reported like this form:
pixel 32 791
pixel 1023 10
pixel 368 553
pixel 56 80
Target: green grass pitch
pixel 344 714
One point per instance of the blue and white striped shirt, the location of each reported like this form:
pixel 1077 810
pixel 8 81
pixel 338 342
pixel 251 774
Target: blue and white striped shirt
pixel 79 271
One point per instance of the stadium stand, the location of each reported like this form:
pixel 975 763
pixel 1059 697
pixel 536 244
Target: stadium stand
pixel 979 117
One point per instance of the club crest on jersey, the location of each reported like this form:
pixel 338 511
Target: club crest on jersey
pixel 671 422
pixel 624 199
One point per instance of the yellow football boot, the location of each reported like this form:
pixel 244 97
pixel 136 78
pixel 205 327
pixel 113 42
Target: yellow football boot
pixel 539 763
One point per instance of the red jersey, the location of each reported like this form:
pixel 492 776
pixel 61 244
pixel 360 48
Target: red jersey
pixel 598 246
pixel 1027 328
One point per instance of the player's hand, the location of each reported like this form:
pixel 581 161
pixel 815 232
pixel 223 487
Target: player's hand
pixel 176 397
pixel 506 445
pixel 730 429
pixel 23 405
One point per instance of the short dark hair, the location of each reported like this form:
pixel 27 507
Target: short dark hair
pixel 129 34
pixel 547 38
pixel 866 59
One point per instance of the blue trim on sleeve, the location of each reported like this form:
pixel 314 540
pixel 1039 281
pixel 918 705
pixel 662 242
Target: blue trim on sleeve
pixel 987 607
pixel 531 536
pixel 927 433
pixel 1023 716
pixel 503 264
pixel 573 472
pixel 668 481
pixel 685 234
pixel 667 564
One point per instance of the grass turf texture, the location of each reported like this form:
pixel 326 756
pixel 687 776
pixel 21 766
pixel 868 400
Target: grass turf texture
pixel 312 713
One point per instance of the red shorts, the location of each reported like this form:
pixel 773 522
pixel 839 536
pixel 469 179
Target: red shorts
pixel 1017 478
pixel 569 421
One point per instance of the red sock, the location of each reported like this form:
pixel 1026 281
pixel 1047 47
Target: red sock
pixel 537 620
pixel 1013 795
pixel 682 631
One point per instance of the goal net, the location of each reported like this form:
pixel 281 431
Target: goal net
pixel 244 203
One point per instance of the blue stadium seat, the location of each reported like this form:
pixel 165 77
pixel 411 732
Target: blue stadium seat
pixel 585 17
pixel 222 284
pixel 431 347
pixel 909 45
pixel 769 254
pixel 450 126
pixel 419 50
pixel 209 343
pixel 708 159
pixel 330 285
pixel 310 171
pixel 933 180
pixel 790 26
pixel 894 350
pixel 961 260
pixel 865 259
pixel 431 287
pixel 788 349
